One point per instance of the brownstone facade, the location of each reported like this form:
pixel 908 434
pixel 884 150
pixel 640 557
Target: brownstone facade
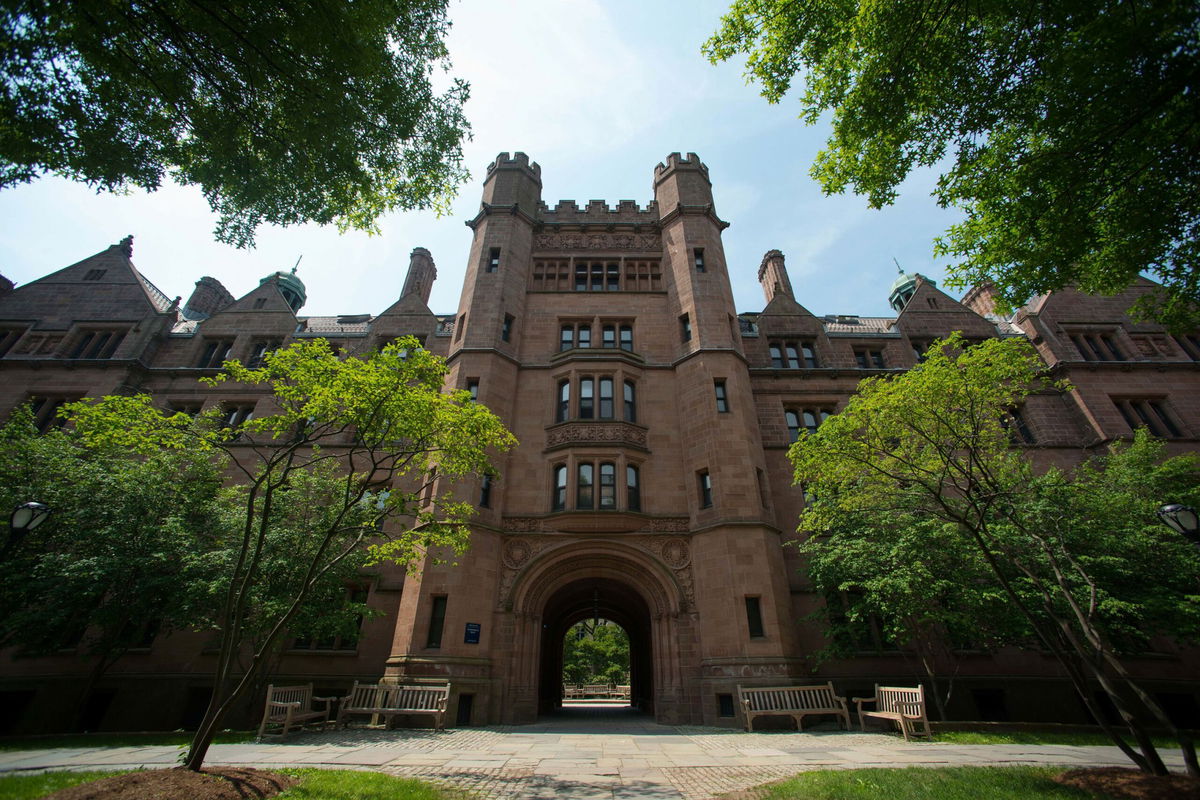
pixel 651 486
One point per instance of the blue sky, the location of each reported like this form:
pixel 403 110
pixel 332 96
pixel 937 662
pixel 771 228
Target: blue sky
pixel 597 93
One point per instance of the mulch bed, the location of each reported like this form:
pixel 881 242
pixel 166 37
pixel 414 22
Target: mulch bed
pixel 1129 784
pixel 214 783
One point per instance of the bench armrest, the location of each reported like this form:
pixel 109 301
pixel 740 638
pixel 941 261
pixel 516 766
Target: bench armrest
pixel 858 701
pixel 280 704
pixel 327 699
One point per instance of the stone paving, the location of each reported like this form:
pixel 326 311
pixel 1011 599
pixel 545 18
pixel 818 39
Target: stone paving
pixel 586 752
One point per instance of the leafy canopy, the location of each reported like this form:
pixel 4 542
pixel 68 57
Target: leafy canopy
pixel 280 114
pixel 915 485
pixel 1065 131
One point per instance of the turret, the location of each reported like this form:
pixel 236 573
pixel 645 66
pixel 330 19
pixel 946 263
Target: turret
pixel 772 274
pixel 513 181
pixel 421 275
pixel 904 288
pixel 682 181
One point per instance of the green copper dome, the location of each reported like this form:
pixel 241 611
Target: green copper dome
pixel 903 289
pixel 291 287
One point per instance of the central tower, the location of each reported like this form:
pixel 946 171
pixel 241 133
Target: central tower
pixel 607 340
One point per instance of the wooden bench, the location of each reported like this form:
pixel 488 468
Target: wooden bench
pixel 289 706
pixel 595 690
pixel 901 704
pixel 795 701
pixel 623 691
pixel 392 700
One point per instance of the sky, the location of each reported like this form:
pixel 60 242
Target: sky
pixel 597 92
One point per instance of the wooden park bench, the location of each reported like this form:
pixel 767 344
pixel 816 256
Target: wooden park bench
pixel 572 691
pixel 795 701
pixel 623 691
pixel 595 690
pixel 392 700
pixel 291 706
pixel 903 705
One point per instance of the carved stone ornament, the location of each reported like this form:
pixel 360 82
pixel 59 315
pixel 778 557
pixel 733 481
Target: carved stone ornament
pixel 635 242
pixel 676 554
pixel 605 432
pixel 522 524
pixel 516 553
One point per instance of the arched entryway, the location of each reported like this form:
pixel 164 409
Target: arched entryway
pixel 596 598
pixel 576 580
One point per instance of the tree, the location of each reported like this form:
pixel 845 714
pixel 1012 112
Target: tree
pixel 279 114
pixel 123 557
pixel 1079 557
pixel 1069 128
pixel 344 465
pixel 596 653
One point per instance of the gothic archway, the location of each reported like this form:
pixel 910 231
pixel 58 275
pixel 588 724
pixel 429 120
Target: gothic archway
pixel 567 582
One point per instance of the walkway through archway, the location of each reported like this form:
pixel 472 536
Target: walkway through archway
pixel 589 599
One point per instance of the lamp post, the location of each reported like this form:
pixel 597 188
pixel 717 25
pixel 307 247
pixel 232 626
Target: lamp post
pixel 1181 519
pixel 25 518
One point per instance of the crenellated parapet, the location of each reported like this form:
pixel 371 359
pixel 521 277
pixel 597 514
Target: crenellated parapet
pixel 517 161
pixel 598 212
pixel 675 162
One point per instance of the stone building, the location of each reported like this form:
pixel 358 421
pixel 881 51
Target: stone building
pixel 651 486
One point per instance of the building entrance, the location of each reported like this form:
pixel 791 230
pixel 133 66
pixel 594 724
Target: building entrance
pixel 595 600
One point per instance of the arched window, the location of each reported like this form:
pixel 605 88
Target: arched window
pixel 558 500
pixel 633 494
pixel 587 408
pixel 608 485
pixel 583 488
pixel 793 425
pixel 564 401
pixel 606 398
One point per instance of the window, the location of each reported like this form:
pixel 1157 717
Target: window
pixel 260 303
pixel 559 498
pixel 698 257
pixel 808 418
pixel 704 481
pixel 493 263
pixel 583 487
pixel 1190 344
pixel 920 347
pixel 473 388
pixel 606 398
pixel 608 336
pixel 633 494
pixel 94 274
pixel 458 328
pixel 237 414
pixel 626 332
pixel 868 359
pixel 437 621
pixel 506 328
pixel 259 350
pixel 685 327
pixel 597 276
pixel 608 485
pixel 1096 347
pixel 630 404
pixel 9 337
pixel 214 353
pixel 96 344
pixel 722 399
pixel 584 336
pixel 754 617
pixel 787 355
pixel 587 402
pixel 564 402
pixel 1149 414
pixel 762 486
pixel 427 489
pixel 45 412
pixel 572 335
pixel 1018 430
pixel 485 492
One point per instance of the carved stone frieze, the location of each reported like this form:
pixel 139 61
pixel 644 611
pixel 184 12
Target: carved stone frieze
pixel 636 242
pixel 522 524
pixel 606 432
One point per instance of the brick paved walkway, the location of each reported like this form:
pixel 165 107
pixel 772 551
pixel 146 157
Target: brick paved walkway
pixel 584 753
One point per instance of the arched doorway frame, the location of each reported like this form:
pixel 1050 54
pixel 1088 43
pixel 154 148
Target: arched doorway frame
pixel 608 560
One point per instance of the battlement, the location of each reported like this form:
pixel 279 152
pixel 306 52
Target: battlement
pixel 596 212
pixel 676 161
pixel 517 161
pixel 766 259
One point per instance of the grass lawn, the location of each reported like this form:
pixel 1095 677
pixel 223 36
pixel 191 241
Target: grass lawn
pixel 175 738
pixel 1038 737
pixel 924 783
pixel 315 784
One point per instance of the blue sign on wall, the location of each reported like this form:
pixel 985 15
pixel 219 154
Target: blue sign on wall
pixel 472 634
